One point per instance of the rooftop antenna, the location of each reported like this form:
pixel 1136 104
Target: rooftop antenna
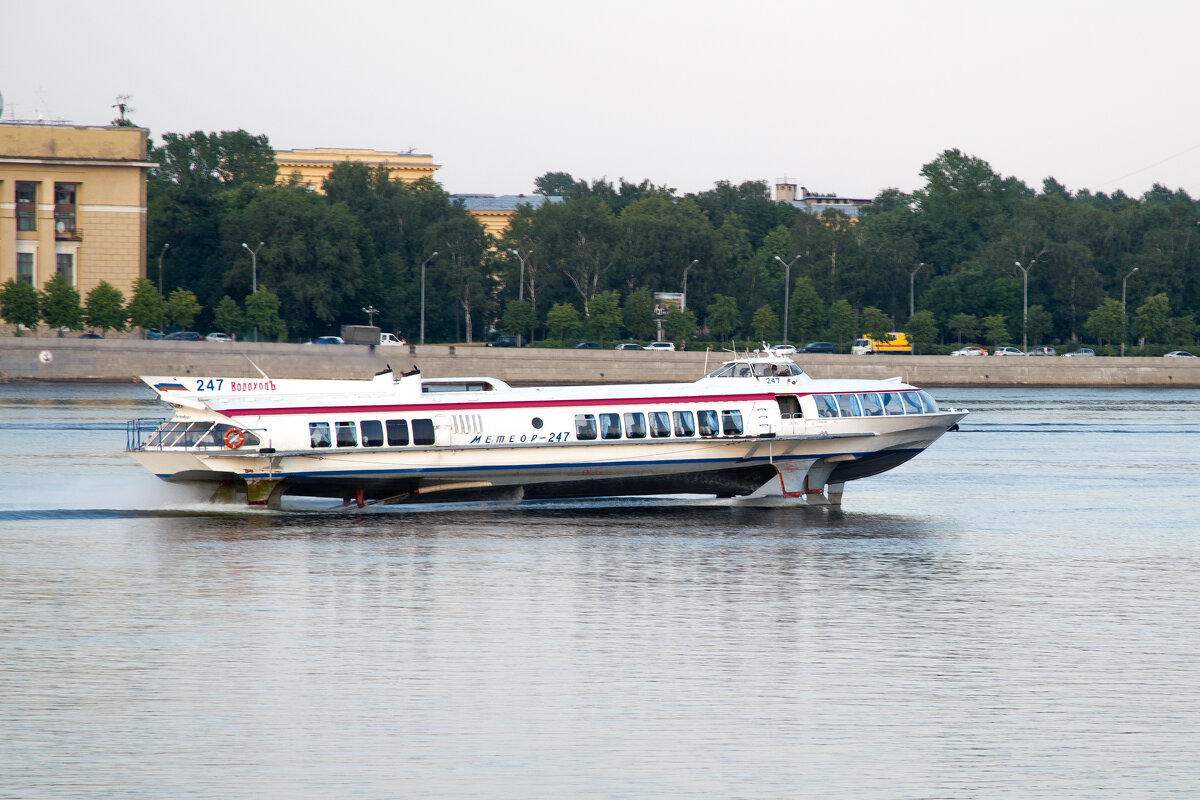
pixel 122 106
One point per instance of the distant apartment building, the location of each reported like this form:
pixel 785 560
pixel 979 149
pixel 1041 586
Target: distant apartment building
pixel 313 166
pixel 73 201
pixel 817 204
pixel 495 212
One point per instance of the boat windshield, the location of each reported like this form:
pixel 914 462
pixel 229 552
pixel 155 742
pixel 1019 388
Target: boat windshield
pixel 759 369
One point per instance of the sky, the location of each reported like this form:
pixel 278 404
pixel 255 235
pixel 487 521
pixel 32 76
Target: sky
pixel 848 97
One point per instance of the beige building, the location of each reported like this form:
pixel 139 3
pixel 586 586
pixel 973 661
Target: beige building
pixel 314 165
pixel 73 200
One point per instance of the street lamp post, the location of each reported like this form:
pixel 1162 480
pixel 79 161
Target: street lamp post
pixel 371 311
pixel 521 286
pixel 253 266
pixel 1025 302
pixel 423 263
pixel 695 261
pixel 160 258
pixel 1135 269
pixel 911 283
pixel 787 281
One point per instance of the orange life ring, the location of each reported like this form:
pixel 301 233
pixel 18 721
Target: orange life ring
pixel 235 438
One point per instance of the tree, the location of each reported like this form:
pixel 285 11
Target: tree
pixel 764 322
pixel 605 319
pixel 105 308
pixel 922 331
pixel 563 321
pixel 19 304
pixel 229 316
pixel 262 313
pixel 995 328
pixel 963 325
pixel 60 304
pixel 1107 321
pixel 843 325
pixel 876 324
pixel 1151 321
pixel 518 317
pixel 182 308
pixel 679 325
pixel 147 309
pixel 555 184
pixel 721 316
pixel 806 312
pixel 638 313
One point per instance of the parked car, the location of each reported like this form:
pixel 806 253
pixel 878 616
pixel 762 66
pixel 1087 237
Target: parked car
pixel 155 333
pixel 218 337
pixel 330 340
pixel 783 349
pixel 661 346
pixel 1040 351
pixel 1083 352
pixel 588 346
pixel 90 335
pixel 819 347
pixel 1178 354
pixel 1007 351
pixel 629 346
pixel 504 341
pixel 970 350
pixel 183 336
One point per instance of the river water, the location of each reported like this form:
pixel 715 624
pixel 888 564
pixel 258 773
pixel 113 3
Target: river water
pixel 1014 613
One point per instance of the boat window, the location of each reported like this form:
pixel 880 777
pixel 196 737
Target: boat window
pixel 891 403
pixel 165 434
pixel 928 401
pixel 318 434
pixel 872 407
pixel 826 405
pixel 372 433
pixel 660 424
pixel 347 434
pixel 397 432
pixel 217 437
pixel 848 405
pixel 422 432
pixel 789 407
pixel 684 424
pixel 731 422
pixel 635 425
pixel 585 427
pixel 912 403
pixel 610 426
pixel 723 371
pixel 706 422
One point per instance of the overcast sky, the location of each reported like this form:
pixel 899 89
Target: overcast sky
pixel 842 96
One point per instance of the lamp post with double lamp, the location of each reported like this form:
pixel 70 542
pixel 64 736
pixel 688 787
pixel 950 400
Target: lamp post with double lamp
pixel 911 283
pixel 423 263
pixel 521 258
pixel 370 311
pixel 787 280
pixel 1135 269
pixel 1025 302
pixel 160 258
pixel 253 275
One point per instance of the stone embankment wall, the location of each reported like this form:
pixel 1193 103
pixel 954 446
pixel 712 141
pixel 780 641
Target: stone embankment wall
pixel 119 360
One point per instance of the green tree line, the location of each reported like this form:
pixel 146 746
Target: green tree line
pixel 976 256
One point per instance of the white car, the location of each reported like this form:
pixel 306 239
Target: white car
pixel 218 337
pixel 783 349
pixel 1007 351
pixel 661 346
pixel 970 350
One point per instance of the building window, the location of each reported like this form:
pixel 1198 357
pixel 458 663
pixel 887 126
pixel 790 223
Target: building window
pixel 26 206
pixel 25 268
pixel 64 207
pixel 64 264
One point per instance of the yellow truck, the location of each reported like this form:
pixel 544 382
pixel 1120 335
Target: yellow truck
pixel 897 343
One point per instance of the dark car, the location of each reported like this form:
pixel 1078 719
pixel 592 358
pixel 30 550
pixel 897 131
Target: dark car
pixel 91 336
pixel 819 347
pixel 154 333
pixel 505 341
pixel 588 346
pixel 183 336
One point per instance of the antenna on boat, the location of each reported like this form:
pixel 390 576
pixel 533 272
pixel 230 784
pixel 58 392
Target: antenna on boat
pixel 260 372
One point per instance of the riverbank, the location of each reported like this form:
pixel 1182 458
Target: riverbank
pixel 120 360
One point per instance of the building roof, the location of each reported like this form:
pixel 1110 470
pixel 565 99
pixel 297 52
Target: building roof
pixel 502 204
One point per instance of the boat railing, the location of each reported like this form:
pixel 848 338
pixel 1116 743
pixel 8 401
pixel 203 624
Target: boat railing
pixel 158 433
pixel 137 431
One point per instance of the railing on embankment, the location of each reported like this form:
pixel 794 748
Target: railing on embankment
pixel 118 360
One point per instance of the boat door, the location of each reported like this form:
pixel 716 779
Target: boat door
pixel 791 419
